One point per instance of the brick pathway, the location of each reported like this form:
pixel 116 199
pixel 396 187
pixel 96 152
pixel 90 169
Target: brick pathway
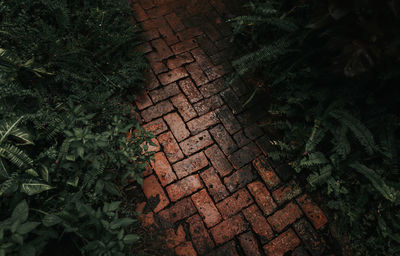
pixel 210 186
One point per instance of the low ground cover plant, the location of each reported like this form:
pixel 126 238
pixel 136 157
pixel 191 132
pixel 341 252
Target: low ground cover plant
pixel 332 69
pixel 67 68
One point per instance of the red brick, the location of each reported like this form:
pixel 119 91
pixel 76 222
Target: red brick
pixel 249 244
pixel 168 35
pixel 228 249
pixel 149 35
pixel 164 93
pixel 177 126
pixel 146 4
pixel 233 204
pixel 147 219
pixel 241 139
pixel 286 192
pixel 144 48
pixel 214 185
pixel 184 46
pixel 228 120
pixel 162 48
pixel 170 147
pixel 206 208
pixel 284 243
pixel 258 222
pixel 190 165
pixel 189 33
pixel 175 237
pixel 253 131
pixel 262 197
pixel 185 249
pixel 148 170
pixel 197 74
pixel 163 169
pixel 244 155
pixel 207 105
pixel 190 90
pixel 266 173
pixel 158 11
pixel 139 13
pixel 202 59
pixel 284 217
pixel 203 122
pixel 239 178
pixel 156 111
pixel 312 240
pixel 218 160
pixel 215 72
pixel 185 109
pixel 151 80
pixel 232 100
pixel 172 76
pixel 228 229
pixel 143 101
pixel 153 57
pixel 196 143
pixel 152 189
pixel 146 147
pixel 184 187
pixel 174 22
pixel 312 211
pixel 224 140
pixel 212 88
pixel 207 45
pixel 178 211
pixel 158 67
pixel 200 237
pixel 179 60
pixel 152 23
pixel 156 127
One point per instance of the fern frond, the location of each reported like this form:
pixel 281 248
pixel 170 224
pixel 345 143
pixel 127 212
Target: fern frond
pixel 317 134
pixel 15 155
pixel 313 159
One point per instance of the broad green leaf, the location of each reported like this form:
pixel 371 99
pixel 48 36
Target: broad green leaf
pixel 17 238
pixel 51 220
pixel 32 172
pixel 27 227
pixel 44 171
pixel 114 206
pixel 34 188
pixel 124 222
pixel 20 212
pixel 111 188
pixel 130 239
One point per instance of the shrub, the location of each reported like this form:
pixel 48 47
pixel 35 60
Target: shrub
pixel 67 69
pixel 333 71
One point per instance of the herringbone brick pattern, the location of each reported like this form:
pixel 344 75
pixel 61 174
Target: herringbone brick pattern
pixel 210 187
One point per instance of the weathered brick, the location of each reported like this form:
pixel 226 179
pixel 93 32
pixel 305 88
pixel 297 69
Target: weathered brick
pixel 239 87
pixel 168 35
pixel 214 185
pixel 170 147
pixel 218 160
pixel 211 31
pixel 163 169
pixel 185 109
pixel 244 155
pixel 206 208
pixel 207 105
pixel 178 211
pixel 165 92
pixel 232 100
pixel 152 23
pixel 144 48
pixel 146 4
pixel 148 170
pixel 177 126
pixel 175 237
pixel 228 229
pixel 153 57
pixel 265 145
pixel 190 90
pixel 173 75
pixel 267 174
pixel 240 139
pixel 139 13
pixel 228 120
pixel 157 110
pixel 158 11
pixel 153 191
pixel 203 122
pixel 314 243
pixel 196 143
pixel 151 80
pixel 149 35
pixel 202 59
pixel 239 178
pixel 312 211
pixel 147 148
pixel 174 22
pixel 212 88
pixel 200 237
pixel 282 244
pixel 233 204
pixel 184 187
pixel 162 48
pixel 223 139
pixel 286 192
pixel 190 165
pixel 215 72
pixel 207 45
pixel 262 197
pixel 143 101
pixel 156 127
pixel 158 67
pixel 179 60
pixel 253 131
pixel 249 244
pixel 258 222
pixel 184 46
pixel 185 249
pixel 197 74
pixel 284 217
pixel 146 218
pixel 228 249
pixel 189 33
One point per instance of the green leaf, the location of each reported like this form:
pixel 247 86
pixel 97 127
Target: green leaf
pixel 27 227
pixel 20 212
pixel 17 238
pixel 124 222
pixel 34 188
pixel 2 252
pixel 3 171
pixel 27 250
pixel 51 220
pixel 112 188
pixel 130 239
pixel 114 206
